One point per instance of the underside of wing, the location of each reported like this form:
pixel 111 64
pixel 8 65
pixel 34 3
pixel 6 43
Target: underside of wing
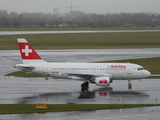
pixel 82 76
pixel 87 76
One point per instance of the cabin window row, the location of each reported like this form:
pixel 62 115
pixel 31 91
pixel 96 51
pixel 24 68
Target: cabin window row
pixel 84 69
pixel 73 69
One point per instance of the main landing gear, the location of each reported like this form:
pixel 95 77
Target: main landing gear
pixel 84 86
pixel 129 85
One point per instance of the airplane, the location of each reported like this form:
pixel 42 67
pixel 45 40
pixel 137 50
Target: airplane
pixel 101 74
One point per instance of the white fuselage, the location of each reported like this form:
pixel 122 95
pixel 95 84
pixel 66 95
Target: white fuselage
pixel 116 71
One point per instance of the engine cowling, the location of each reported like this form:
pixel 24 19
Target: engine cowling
pixel 102 81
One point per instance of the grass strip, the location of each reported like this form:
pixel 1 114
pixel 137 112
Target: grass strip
pixel 23 74
pixel 30 108
pixel 84 40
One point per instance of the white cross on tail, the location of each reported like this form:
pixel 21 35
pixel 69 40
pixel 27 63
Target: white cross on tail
pixel 26 50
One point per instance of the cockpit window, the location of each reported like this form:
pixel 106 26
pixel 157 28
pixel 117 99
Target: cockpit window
pixel 140 69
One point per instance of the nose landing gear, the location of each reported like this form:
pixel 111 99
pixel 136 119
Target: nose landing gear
pixel 129 85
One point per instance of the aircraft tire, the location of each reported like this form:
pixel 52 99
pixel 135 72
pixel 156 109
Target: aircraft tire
pixel 130 86
pixel 84 86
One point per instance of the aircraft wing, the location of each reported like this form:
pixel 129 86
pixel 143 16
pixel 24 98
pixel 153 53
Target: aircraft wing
pixel 88 76
pixel 84 76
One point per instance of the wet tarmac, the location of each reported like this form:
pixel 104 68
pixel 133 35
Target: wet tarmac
pixel 83 31
pixel 16 90
pixel 58 91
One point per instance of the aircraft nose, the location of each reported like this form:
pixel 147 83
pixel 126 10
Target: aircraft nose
pixel 147 74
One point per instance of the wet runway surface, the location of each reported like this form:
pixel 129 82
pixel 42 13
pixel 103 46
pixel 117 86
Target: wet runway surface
pixel 58 91
pixel 85 31
pixel 53 91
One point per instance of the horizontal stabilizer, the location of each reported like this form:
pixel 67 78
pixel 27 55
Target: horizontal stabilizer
pixel 24 67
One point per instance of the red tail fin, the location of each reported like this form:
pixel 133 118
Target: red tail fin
pixel 26 50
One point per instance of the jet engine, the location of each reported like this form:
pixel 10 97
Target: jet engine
pixel 102 81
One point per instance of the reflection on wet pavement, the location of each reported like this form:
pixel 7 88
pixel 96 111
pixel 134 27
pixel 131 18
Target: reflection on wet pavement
pixel 89 97
pixel 53 91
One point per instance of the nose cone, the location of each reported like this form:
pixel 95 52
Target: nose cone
pixel 147 74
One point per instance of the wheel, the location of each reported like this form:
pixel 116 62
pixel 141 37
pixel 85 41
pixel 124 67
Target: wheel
pixel 84 86
pixel 129 86
pixel 86 83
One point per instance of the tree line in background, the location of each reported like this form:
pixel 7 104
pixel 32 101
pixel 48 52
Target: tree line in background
pixel 78 19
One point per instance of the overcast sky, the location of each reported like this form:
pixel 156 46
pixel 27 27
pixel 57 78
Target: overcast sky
pixel 88 6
